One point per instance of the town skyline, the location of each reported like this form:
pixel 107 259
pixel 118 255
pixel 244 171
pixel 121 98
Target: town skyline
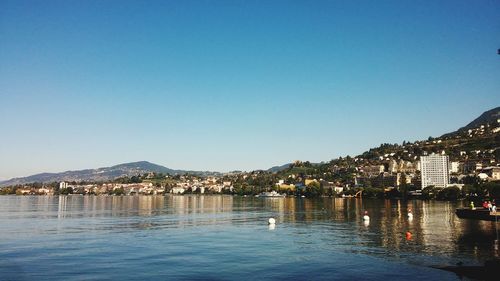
pixel 472 147
pixel 235 85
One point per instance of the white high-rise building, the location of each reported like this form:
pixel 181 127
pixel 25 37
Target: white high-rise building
pixel 434 170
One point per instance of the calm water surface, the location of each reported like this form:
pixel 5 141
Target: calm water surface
pixel 227 238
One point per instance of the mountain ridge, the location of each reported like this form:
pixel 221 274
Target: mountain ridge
pixel 487 117
pixel 100 174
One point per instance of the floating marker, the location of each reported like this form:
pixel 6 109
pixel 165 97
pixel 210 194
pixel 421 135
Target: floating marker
pixel 366 217
pixel 410 214
pixel 408 235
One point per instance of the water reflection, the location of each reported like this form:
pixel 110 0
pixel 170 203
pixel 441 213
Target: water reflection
pixel 434 228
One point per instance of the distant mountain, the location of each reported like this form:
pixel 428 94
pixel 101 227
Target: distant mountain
pixel 276 169
pixel 488 117
pixel 100 174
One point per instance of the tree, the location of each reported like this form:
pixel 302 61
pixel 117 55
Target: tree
pixel 493 189
pixel 473 180
pixel 373 192
pixel 118 191
pixel 135 179
pixel 66 190
pixel 314 189
pixel 8 190
pixel 429 192
pixel 451 193
pixel 404 189
pixel 472 190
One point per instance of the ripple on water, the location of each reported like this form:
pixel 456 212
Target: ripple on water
pixel 227 238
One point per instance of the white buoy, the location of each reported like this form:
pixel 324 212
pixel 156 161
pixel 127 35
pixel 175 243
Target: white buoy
pixel 271 221
pixel 366 217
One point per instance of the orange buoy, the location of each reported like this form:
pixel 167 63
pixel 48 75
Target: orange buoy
pixel 408 235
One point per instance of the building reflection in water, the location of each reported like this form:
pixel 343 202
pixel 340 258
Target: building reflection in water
pixel 61 210
pixel 434 227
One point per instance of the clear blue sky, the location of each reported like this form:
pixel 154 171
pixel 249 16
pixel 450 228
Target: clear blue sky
pixel 226 85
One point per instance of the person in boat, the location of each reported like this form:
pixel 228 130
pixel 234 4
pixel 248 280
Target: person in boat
pixel 489 205
pixel 485 204
pixel 472 205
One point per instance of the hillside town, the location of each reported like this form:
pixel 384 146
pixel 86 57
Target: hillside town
pixel 464 158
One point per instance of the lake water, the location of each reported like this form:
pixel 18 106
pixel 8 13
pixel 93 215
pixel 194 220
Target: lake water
pixel 228 238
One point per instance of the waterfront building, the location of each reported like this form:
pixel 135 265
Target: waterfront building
pixel 493 172
pixel 454 167
pixel 435 170
pixel 384 180
pixel 178 190
pixel 309 181
pixel 373 171
pixel 401 166
pixel 63 185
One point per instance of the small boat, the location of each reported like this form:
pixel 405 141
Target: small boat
pixel 477 214
pixel 490 269
pixel 270 194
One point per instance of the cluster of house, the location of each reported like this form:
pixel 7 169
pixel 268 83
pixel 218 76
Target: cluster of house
pixel 392 173
pixel 430 170
pixel 105 188
pixel 329 185
pixel 387 171
pixel 483 129
pixel 193 185
pixel 210 184
pixel 35 191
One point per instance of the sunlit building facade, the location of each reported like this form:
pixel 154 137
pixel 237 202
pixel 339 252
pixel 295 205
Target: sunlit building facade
pixel 435 170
